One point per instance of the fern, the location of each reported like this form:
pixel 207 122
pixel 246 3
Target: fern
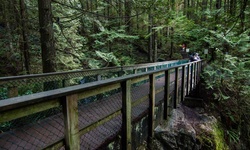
pixel 108 57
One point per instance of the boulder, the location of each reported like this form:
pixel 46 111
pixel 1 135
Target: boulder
pixel 186 129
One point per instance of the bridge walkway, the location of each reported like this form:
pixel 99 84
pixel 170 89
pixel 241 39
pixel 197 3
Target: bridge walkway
pixel 48 131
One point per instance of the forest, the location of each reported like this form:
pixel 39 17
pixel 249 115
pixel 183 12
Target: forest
pixel 41 36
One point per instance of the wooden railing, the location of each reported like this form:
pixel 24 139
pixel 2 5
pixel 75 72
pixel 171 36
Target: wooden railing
pixel 184 78
pixel 14 86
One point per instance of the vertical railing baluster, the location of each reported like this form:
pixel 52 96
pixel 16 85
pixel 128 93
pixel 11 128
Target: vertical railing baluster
pixel 70 112
pixel 188 79
pixel 166 94
pixel 176 87
pixel 98 77
pixel 183 83
pixel 135 71
pixel 191 78
pixel 126 115
pixel 199 70
pixel 194 75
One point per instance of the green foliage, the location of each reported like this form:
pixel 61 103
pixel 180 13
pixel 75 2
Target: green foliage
pixel 228 77
pixel 176 56
pixel 233 136
pixel 3 93
pixel 108 58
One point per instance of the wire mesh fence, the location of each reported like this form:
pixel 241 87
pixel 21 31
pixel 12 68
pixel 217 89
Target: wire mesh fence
pixel 32 132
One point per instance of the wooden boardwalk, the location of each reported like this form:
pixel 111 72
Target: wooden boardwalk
pixel 47 131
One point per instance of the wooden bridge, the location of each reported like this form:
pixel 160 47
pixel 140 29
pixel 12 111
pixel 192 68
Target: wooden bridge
pixel 93 115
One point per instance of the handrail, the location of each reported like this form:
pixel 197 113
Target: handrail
pixel 57 93
pixel 68 98
pixel 55 80
pixel 137 66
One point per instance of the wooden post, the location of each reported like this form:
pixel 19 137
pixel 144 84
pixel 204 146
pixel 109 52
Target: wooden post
pixel 126 115
pixel 199 70
pixel 98 77
pixel 191 78
pixel 166 94
pixel 183 83
pixel 135 71
pixel 151 121
pixel 70 111
pixel 195 74
pixel 188 79
pixel 176 97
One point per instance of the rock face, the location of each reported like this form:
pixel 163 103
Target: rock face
pixel 187 129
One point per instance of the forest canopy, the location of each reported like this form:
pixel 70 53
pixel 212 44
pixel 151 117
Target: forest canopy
pixel 99 33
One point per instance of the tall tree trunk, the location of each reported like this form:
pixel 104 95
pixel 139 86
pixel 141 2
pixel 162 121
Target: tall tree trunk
pixel 242 15
pixel 47 36
pixel 155 46
pixel 109 22
pixel 204 7
pixel 120 11
pixel 171 42
pixel 232 7
pixel 25 45
pixel 150 43
pixel 127 15
pixel 185 7
pixel 211 4
pixel 188 9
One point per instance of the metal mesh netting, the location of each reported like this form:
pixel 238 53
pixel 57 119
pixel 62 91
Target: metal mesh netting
pixel 32 132
pixel 108 105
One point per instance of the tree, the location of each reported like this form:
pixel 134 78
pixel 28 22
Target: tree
pixel 47 36
pixel 24 42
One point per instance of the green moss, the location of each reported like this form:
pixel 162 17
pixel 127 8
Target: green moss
pixel 213 139
pixel 219 137
pixel 206 140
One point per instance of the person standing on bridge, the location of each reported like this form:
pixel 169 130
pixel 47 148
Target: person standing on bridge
pixel 194 57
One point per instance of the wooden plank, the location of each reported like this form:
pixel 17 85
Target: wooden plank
pixel 98 90
pixel 28 110
pixel 139 79
pixel 139 101
pixel 70 111
pixel 99 122
pixel 55 146
pixel 166 94
pixel 159 73
pixel 159 90
pixel 126 115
